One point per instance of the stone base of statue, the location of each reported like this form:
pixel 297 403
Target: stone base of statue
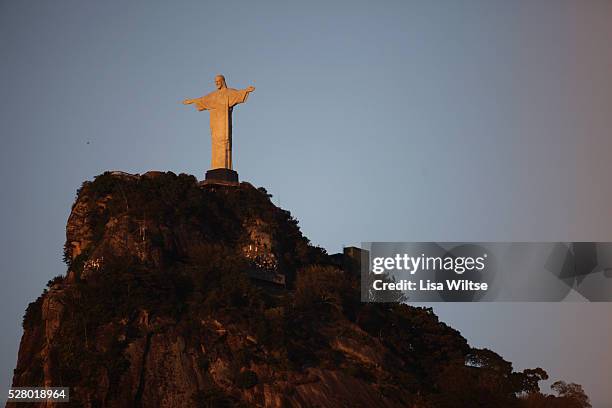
pixel 221 176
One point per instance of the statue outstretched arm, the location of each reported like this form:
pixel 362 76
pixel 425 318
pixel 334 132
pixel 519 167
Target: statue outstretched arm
pixel 197 101
pixel 236 96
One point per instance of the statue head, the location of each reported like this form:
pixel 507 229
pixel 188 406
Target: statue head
pixel 220 82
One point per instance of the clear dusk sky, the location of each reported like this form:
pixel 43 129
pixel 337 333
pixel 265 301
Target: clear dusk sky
pixel 458 120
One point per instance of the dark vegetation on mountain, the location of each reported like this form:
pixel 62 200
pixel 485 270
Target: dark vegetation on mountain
pixel 164 305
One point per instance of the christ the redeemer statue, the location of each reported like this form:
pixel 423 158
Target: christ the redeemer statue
pixel 220 103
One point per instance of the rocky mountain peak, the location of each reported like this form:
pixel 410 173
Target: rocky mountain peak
pixel 179 294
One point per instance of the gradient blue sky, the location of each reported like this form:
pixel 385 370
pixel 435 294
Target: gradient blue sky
pixel 391 121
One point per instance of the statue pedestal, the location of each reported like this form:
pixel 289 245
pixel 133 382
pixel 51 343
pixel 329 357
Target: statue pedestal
pixel 221 176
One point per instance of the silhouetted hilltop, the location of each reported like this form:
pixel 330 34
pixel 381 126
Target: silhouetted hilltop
pixel 186 295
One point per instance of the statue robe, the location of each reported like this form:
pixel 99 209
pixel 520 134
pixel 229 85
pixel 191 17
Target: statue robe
pixel 220 104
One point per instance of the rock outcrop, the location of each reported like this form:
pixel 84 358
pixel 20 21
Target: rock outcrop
pixel 185 295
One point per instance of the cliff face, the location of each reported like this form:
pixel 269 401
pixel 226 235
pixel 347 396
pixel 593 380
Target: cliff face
pixel 182 295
